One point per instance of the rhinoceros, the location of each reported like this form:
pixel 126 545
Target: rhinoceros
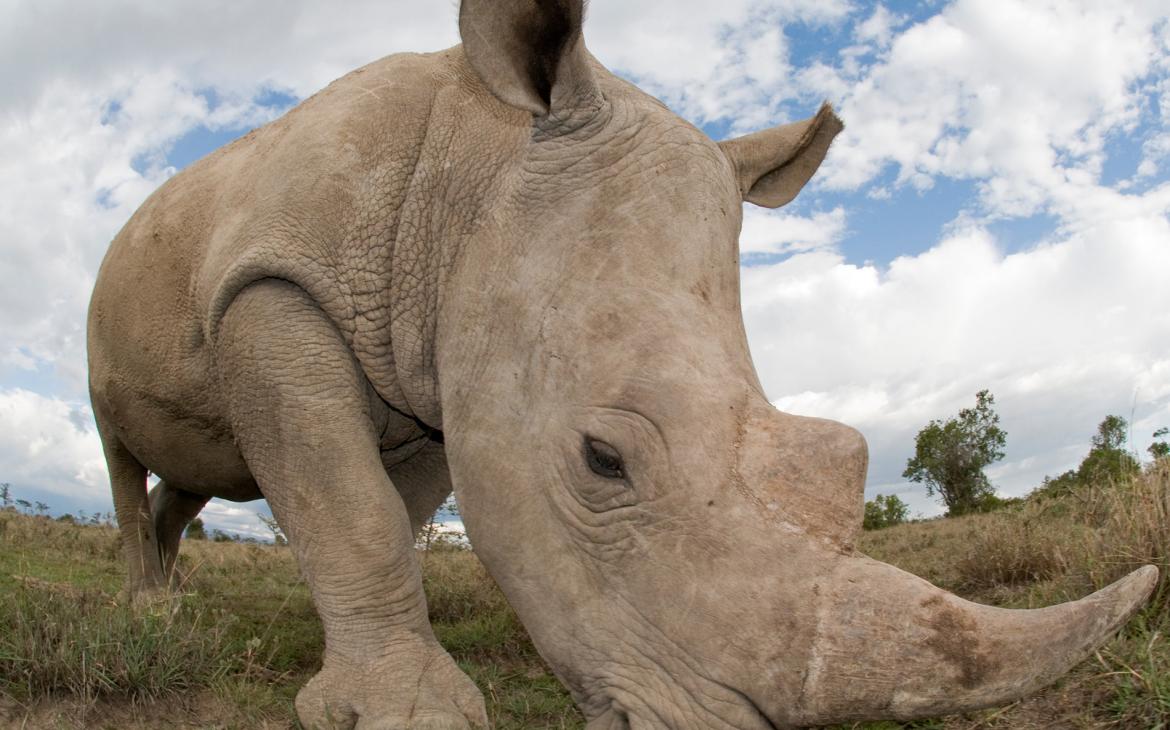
pixel 501 270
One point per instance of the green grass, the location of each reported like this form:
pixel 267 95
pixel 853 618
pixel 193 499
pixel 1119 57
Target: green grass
pixel 233 648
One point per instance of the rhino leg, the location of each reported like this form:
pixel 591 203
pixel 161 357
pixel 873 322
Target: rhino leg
pixel 132 508
pixel 171 510
pixel 424 483
pixel 302 414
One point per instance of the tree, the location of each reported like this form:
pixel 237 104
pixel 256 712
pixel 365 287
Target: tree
pixel 949 456
pixel 195 530
pixel 883 511
pixel 5 496
pixel 1108 462
pixel 1160 449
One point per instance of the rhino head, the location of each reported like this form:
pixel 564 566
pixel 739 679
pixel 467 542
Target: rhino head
pixel 681 552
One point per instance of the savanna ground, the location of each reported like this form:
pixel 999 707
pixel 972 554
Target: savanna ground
pixel 231 650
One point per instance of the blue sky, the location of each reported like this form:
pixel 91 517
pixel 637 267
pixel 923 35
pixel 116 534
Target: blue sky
pixel 994 216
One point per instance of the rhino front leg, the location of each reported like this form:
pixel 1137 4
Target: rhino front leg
pixel 301 413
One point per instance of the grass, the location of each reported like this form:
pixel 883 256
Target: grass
pixel 233 648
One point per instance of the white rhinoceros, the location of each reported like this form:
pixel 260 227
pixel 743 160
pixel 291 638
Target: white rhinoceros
pixel 501 269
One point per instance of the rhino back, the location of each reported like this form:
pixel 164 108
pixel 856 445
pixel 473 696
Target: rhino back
pixel 313 197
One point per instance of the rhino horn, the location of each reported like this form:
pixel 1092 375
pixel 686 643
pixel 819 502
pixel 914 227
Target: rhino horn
pixel 889 643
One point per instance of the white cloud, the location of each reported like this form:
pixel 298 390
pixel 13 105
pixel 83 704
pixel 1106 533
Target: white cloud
pixel 236 519
pixel 708 60
pixel 1021 94
pixel 68 183
pixel 878 30
pixel 232 46
pixel 778 231
pixel 50 443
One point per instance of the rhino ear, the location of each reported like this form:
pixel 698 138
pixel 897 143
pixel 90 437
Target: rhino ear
pixel 773 165
pixel 529 53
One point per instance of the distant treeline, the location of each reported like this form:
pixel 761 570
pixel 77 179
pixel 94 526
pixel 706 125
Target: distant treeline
pixel 950 456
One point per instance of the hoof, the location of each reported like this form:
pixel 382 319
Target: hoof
pixel 403 693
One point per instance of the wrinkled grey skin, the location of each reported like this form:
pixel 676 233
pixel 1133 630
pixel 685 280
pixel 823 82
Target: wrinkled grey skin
pixel 501 269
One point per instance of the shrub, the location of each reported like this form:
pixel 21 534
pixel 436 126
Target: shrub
pixel 884 511
pixel 195 530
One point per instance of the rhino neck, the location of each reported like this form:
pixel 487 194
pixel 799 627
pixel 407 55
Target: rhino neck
pixel 468 142
pixel 474 155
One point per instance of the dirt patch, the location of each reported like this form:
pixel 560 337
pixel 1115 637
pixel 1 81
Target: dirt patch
pixel 956 639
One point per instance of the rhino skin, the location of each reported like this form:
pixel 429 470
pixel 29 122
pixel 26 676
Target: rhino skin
pixel 502 270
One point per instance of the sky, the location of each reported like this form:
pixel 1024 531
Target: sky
pixel 995 214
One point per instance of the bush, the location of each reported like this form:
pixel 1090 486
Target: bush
pixel 195 530
pixel 883 511
pixel 992 502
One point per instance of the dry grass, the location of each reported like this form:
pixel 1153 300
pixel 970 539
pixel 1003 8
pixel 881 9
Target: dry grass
pixel 1052 551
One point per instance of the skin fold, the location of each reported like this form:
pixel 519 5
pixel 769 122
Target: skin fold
pixel 501 270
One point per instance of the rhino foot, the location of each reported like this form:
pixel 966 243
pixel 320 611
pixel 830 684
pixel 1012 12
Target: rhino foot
pixel 422 690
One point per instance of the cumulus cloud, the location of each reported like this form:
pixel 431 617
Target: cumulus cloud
pixel 235 519
pixel 51 444
pixel 76 163
pixel 234 47
pixel 1022 95
pixel 780 232
pixel 710 61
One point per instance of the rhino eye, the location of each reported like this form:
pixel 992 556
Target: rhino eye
pixel 604 459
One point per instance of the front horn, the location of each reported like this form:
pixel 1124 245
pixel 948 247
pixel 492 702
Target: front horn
pixel 890 644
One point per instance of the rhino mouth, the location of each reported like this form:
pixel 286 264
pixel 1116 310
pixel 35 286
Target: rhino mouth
pixel 745 714
pixel 765 722
pixel 611 719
